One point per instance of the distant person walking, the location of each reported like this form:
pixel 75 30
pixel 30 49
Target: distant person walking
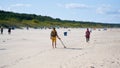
pixel 53 37
pixel 1 30
pixel 9 30
pixel 87 35
pixel 27 28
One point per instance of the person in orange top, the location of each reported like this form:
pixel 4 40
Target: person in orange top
pixel 53 37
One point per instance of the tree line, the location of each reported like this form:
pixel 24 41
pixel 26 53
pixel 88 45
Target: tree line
pixel 18 20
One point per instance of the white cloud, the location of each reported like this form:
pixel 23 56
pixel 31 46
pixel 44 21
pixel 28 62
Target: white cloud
pixel 113 12
pixel 76 5
pixel 14 7
pixel 21 5
pixel 107 10
pixel 103 9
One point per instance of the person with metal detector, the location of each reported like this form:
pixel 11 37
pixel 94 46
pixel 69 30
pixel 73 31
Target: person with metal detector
pixel 53 37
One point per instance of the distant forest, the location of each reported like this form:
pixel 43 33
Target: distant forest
pixel 18 20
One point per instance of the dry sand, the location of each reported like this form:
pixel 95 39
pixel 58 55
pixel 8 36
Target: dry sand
pixel 32 49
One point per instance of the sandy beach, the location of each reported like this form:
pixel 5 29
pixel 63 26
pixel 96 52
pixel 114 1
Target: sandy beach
pixel 32 49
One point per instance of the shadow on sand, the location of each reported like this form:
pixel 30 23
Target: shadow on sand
pixel 2 49
pixel 72 48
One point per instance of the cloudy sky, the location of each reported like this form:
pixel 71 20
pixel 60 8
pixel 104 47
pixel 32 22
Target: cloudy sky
pixel 105 11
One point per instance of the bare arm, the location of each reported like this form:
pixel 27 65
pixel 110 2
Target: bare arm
pixel 57 36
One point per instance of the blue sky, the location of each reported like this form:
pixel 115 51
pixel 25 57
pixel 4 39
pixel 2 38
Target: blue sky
pixel 104 11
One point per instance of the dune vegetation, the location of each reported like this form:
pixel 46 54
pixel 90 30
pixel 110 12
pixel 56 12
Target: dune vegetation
pixel 18 20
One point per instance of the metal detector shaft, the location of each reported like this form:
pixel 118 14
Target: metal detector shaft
pixel 62 43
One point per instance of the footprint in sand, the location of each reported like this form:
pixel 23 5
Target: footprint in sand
pixel 21 59
pixel 2 49
pixel 76 56
pixel 8 39
pixel 4 66
pixel 92 67
pixel 29 57
pixel 80 55
pixel 3 41
pixel 118 63
pixel 83 54
pixel 17 61
pixel 118 59
pixel 112 62
pixel 101 65
pixel 24 39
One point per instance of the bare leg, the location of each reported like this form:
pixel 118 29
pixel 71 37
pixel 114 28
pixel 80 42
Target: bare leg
pixel 55 44
pixel 52 44
pixel 86 39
